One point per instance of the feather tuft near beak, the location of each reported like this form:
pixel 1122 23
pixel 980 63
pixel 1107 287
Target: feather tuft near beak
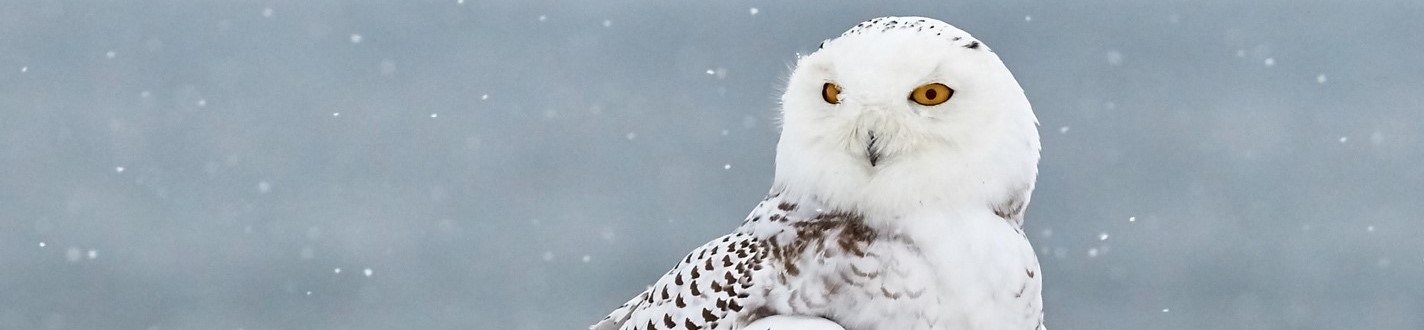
pixel 870 151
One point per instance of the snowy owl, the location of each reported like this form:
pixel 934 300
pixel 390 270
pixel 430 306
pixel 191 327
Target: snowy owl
pixel 907 156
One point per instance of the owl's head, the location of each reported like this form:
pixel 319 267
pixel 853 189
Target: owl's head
pixel 905 111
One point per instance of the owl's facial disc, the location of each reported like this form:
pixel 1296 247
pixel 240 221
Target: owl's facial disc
pixel 884 120
pixel 904 112
pixel 900 93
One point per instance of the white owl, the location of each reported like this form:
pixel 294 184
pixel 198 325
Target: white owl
pixel 907 156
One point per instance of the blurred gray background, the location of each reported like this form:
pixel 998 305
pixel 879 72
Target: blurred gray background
pixel 531 165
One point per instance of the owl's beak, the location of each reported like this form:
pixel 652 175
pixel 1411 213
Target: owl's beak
pixel 870 152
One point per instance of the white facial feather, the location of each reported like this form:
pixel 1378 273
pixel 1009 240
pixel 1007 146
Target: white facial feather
pixel 979 147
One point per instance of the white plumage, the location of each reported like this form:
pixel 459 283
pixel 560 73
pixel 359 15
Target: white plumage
pixel 907 156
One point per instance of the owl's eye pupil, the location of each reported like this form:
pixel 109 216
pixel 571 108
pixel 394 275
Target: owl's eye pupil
pixel 931 94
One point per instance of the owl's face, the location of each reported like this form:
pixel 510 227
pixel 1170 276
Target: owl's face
pixel 897 98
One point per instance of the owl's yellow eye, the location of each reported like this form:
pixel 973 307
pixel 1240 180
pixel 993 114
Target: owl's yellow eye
pixel 831 93
pixel 931 94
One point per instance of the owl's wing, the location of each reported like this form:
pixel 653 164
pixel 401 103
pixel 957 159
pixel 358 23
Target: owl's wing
pixel 714 287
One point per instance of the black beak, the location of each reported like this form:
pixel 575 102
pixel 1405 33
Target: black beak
pixel 870 151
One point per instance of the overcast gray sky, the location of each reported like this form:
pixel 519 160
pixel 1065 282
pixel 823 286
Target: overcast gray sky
pixel 533 164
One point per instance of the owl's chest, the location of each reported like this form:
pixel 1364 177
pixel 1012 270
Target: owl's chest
pixel 887 282
pixel 867 280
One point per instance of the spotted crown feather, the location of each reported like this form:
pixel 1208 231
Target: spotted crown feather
pixel 915 24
